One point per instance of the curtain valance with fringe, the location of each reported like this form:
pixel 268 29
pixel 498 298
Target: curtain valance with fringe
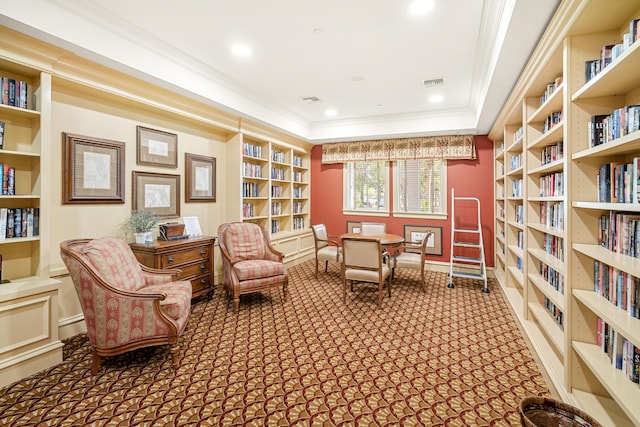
pixel 444 147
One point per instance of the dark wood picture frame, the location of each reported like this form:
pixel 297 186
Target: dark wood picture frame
pixel 200 178
pixel 156 147
pixel 354 226
pixel 414 233
pixel 158 192
pixel 92 170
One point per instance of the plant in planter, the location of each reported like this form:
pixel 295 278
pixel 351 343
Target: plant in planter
pixel 140 224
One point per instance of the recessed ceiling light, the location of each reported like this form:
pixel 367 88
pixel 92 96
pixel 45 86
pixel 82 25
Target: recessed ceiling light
pixel 241 50
pixel 436 98
pixel 330 113
pixel 420 7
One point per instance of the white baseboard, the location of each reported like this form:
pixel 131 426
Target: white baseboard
pixel 71 326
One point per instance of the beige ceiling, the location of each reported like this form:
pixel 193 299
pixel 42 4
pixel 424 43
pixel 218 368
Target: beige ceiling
pixel 366 59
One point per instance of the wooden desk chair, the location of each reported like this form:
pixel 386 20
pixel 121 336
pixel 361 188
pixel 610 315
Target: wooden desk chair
pixel 363 261
pixel 327 247
pixel 414 258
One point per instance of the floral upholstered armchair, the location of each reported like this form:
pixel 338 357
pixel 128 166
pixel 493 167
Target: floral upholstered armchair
pixel 125 304
pixel 250 263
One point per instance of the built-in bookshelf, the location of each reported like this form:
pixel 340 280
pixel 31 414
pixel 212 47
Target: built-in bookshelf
pixel 27 295
pixel 578 291
pixel 275 186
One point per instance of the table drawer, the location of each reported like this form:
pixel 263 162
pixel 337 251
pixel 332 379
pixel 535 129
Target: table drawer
pixel 195 269
pixel 190 255
pixel 202 284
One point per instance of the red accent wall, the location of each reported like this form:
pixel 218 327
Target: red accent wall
pixel 470 178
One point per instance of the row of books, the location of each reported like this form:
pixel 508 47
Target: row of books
pixel 609 52
pixel 553 245
pixel 555 312
pixel 8 179
pixel 275 226
pixel 518 134
pixel 252 150
pixel 500 209
pixel 278 156
pixel 551 153
pixel 552 277
pixel 15 92
pixel 621 352
pixel 276 191
pixel 620 232
pixel 297 207
pixel 2 126
pixel 552 120
pixel 276 208
pixel 519 214
pixel 298 192
pixel 516 188
pixel 297 161
pixel 552 184
pixel 247 210
pixel 277 173
pixel 618 287
pixel 298 223
pixel 250 189
pixel 19 222
pixel 619 182
pixel 520 239
pixel 297 176
pixel 516 161
pixel 250 170
pixel 605 128
pixel 550 90
pixel 552 214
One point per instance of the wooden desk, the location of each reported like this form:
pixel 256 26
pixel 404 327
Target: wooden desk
pixel 387 240
pixel 194 256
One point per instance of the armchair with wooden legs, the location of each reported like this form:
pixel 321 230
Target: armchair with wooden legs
pixel 327 247
pixel 364 261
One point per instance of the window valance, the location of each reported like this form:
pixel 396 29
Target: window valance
pixel 444 147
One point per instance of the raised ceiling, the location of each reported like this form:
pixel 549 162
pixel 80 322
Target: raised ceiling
pixel 366 59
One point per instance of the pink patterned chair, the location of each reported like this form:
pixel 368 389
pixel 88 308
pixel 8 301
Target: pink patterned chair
pixel 250 263
pixel 125 304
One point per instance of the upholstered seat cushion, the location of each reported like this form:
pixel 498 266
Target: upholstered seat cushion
pixel 366 275
pixel 408 260
pixel 113 259
pixel 178 297
pixel 328 253
pixel 258 268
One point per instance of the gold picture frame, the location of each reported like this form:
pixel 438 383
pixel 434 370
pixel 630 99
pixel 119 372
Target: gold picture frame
pixel 158 192
pixel 354 226
pixel 93 170
pixel 415 234
pixel 200 178
pixel 156 147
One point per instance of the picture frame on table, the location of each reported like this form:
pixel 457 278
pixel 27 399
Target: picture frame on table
pixel 156 147
pixel 93 170
pixel 415 234
pixel 200 178
pixel 158 192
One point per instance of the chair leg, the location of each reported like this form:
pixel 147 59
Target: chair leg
pixel 316 268
pixel 95 364
pixel 174 349
pixel 326 266
pixel 236 303
pixel 380 294
pixel 389 286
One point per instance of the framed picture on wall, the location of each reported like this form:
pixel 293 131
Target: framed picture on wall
pixel 93 170
pixel 156 147
pixel 157 192
pixel 354 227
pixel 200 178
pixel 415 234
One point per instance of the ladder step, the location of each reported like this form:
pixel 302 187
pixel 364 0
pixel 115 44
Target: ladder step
pixel 477 276
pixel 467 259
pixel 467 244
pixel 466 230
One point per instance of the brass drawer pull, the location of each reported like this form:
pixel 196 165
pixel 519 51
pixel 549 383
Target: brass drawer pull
pixel 170 260
pixel 203 252
pixel 203 281
pixel 203 267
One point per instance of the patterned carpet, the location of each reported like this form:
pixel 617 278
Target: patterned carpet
pixel 447 357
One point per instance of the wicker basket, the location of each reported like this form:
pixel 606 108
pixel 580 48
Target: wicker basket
pixel 544 412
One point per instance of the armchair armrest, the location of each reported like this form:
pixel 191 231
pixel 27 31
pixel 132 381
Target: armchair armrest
pixel 155 276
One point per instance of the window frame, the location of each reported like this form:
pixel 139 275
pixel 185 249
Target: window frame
pixel 415 214
pixel 347 210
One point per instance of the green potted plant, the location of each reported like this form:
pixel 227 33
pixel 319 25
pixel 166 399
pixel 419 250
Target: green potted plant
pixel 140 224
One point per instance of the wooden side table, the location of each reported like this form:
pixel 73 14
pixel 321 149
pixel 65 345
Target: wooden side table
pixel 194 256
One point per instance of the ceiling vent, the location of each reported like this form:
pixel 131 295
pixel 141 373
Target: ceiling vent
pixel 310 99
pixel 429 83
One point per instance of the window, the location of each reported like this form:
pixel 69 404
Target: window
pixel 366 185
pixel 420 186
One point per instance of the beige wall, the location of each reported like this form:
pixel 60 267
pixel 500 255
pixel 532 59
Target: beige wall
pixel 75 111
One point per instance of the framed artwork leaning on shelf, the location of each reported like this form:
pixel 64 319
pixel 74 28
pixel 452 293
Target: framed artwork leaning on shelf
pixel 415 234
pixel 200 181
pixel 156 147
pixel 93 170
pixel 157 192
pixel 354 227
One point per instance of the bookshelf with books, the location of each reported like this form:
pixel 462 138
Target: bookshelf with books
pixel 500 262
pixel 255 182
pixel 581 301
pixel 28 296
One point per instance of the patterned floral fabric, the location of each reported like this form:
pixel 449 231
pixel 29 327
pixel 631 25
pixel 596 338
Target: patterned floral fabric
pixel 247 241
pixel 252 269
pixel 178 298
pixel 115 262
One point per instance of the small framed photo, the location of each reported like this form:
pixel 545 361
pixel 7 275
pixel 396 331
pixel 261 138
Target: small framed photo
pixel 92 170
pixel 200 182
pixel 415 234
pixel 156 147
pixel 158 192
pixel 354 227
